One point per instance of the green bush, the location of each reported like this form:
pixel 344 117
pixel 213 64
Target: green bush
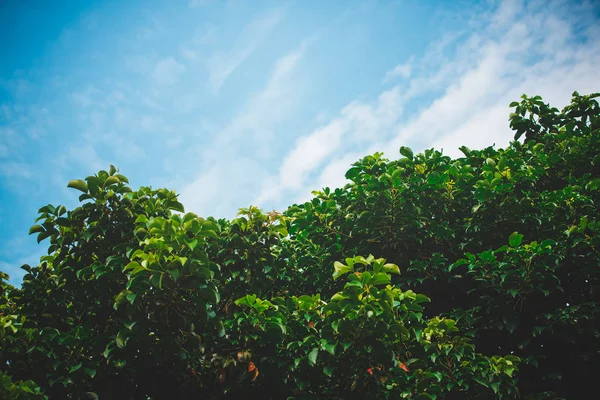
pixel 491 290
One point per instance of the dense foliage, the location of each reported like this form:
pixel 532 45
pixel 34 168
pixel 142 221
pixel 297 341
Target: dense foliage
pixel 425 277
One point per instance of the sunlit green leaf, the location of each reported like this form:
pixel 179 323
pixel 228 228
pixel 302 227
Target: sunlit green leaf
pixel 78 184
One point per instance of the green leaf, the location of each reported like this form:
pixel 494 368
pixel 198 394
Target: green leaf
pixel 192 244
pixel 352 173
pixel 391 269
pixel 495 386
pixel 418 334
pixel 91 372
pixel 157 280
pixel 120 340
pixel 43 235
pixel 112 170
pixel 340 269
pixel 75 368
pixel 62 222
pixel 407 152
pixel 312 356
pixel 176 206
pixel 131 265
pixel 247 300
pixel 515 239
pixel 122 178
pixel 381 279
pixel 47 209
pixel 338 297
pixel 36 229
pixel 421 298
pixel 174 273
pixel 397 172
pixel 131 297
pixel 78 184
pixel 327 370
pixel 121 298
pixel 330 348
pixel 111 180
pixel 109 348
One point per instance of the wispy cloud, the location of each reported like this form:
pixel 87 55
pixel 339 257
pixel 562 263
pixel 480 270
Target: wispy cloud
pixel 516 55
pixel 167 71
pixel 401 70
pixel 14 169
pixel 223 63
pixel 357 123
pixel 513 52
pixel 229 172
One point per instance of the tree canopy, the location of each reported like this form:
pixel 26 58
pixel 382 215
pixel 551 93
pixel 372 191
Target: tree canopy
pixel 425 277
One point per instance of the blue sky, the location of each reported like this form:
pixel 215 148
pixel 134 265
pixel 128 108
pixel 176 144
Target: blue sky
pixel 242 102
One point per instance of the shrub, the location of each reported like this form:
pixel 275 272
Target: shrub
pixel 491 289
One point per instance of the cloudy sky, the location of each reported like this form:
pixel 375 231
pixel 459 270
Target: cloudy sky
pixel 242 102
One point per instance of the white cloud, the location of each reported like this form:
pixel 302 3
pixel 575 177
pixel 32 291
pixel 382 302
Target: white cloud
pixel 309 152
pixel 469 111
pixel 533 51
pixel 507 12
pixel 188 53
pixel 401 70
pixel 221 187
pixel 167 71
pixel 480 131
pixel 16 170
pixel 230 174
pixel 357 123
pixel 83 155
pixel 18 177
pixel 268 107
pixel 222 64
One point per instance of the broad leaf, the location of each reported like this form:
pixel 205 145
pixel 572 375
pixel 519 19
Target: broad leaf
pixel 78 184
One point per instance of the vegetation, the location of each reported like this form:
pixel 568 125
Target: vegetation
pixel 426 277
